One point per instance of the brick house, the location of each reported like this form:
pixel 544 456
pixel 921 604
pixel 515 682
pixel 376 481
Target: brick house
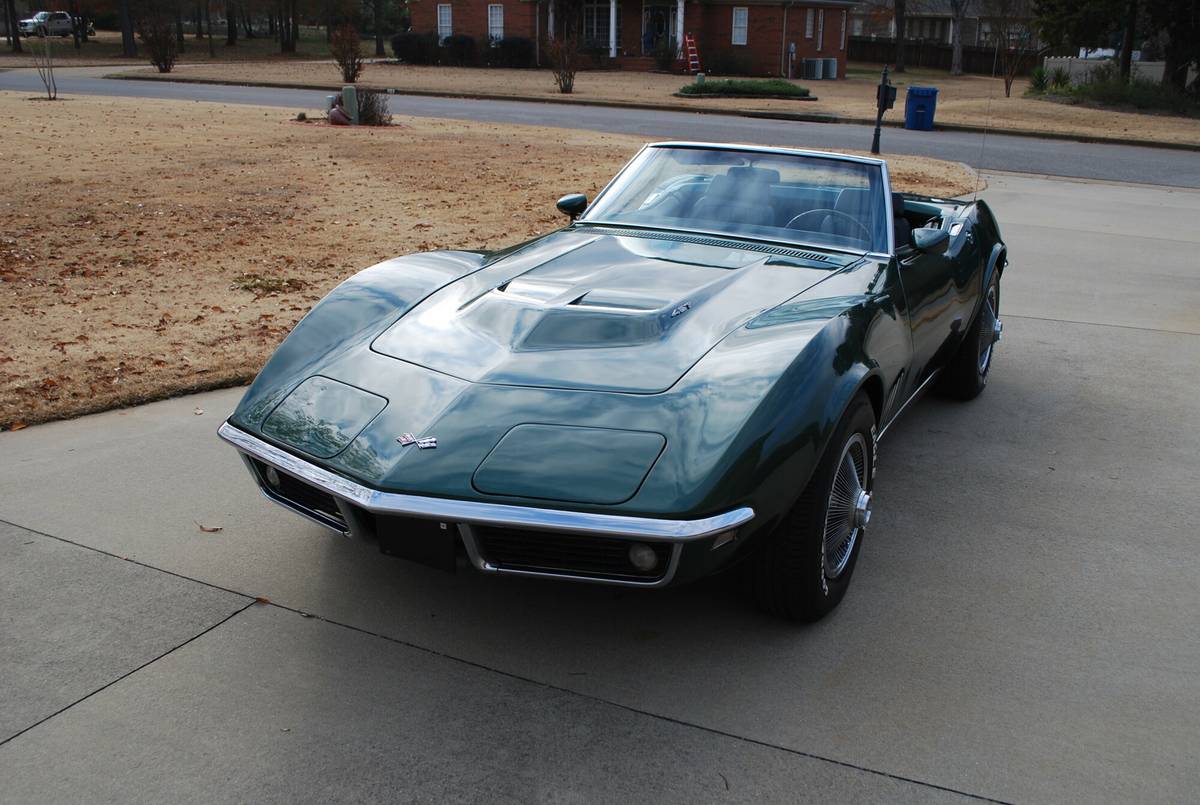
pixel 743 36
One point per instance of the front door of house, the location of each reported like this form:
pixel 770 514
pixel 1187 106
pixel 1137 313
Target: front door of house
pixel 658 26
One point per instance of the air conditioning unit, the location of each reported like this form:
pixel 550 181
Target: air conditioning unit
pixel 830 68
pixel 815 69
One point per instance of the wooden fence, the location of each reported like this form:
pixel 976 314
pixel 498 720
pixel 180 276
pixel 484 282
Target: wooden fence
pixel 978 59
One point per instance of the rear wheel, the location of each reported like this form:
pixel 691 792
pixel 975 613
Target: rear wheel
pixel 967 373
pixel 805 568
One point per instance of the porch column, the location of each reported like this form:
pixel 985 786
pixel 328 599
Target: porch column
pixel 679 25
pixel 612 29
pixel 550 20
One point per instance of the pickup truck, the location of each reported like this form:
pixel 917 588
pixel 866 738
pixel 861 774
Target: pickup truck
pixel 47 23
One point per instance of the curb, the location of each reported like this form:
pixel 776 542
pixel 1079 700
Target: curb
pixel 797 117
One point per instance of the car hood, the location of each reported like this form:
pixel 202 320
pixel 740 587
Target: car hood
pixel 599 309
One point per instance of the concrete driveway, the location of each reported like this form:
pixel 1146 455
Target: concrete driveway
pixel 1022 624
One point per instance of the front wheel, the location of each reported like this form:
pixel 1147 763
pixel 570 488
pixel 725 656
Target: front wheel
pixel 805 567
pixel 966 374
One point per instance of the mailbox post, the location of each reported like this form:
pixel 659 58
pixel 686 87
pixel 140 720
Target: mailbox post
pixel 885 98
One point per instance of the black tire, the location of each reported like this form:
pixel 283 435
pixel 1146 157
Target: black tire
pixel 966 375
pixel 790 576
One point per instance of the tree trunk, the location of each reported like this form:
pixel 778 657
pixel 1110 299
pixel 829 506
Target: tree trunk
pixel 958 12
pixel 179 37
pixel 128 43
pixel 199 18
pixel 1131 15
pixel 379 51
pixel 231 24
pixel 10 8
pixel 73 10
pixel 208 27
pixel 901 25
pixel 247 22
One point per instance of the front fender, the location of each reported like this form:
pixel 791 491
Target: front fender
pixel 348 318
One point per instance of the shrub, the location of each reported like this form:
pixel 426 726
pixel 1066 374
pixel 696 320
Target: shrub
pixel 344 46
pixel 157 32
pixel 512 51
pixel 730 86
pixel 373 108
pixel 1060 78
pixel 1139 93
pixel 564 56
pixel 665 54
pixel 1038 80
pixel 414 48
pixel 459 50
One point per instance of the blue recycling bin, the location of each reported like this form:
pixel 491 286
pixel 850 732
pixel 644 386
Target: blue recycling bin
pixel 919 106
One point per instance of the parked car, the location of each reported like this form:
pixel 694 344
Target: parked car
pixel 47 23
pixel 695 373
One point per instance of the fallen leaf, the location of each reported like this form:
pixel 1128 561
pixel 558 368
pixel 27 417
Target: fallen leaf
pixel 262 599
pixel 198 411
pixel 18 426
pixel 209 529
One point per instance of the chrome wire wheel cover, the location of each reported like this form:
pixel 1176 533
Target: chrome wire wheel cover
pixel 849 506
pixel 989 331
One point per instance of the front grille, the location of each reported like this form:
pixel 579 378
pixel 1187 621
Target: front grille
pixel 570 554
pixel 301 496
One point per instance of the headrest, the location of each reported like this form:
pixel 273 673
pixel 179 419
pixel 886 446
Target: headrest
pixel 749 174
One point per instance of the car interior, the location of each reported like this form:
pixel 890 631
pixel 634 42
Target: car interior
pixel 755 197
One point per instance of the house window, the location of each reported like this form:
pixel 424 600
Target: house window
pixel 495 22
pixel 843 47
pixel 808 24
pixel 595 24
pixel 820 29
pixel 444 27
pixel 741 21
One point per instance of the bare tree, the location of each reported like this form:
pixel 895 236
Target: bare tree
pixel 43 60
pixel 900 18
pixel 1012 24
pixel 378 9
pixel 231 25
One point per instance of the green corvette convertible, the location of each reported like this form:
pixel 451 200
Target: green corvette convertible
pixel 693 375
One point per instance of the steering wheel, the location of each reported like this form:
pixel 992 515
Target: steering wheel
pixel 839 220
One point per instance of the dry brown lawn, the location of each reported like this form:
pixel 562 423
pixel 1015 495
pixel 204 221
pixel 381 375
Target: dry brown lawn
pixel 162 246
pixel 965 100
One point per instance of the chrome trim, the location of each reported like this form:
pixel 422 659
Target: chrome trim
pixel 480 513
pixel 472 545
pixel 907 402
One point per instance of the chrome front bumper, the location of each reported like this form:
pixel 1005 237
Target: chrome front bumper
pixel 468 513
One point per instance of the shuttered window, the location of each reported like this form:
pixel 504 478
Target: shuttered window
pixel 843 30
pixel 495 22
pixel 741 22
pixel 445 27
pixel 820 29
pixel 808 24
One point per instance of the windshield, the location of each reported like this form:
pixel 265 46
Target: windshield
pixel 42 16
pixel 783 197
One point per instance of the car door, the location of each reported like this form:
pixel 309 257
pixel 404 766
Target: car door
pixel 940 290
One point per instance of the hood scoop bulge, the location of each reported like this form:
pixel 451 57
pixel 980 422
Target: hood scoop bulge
pixel 606 313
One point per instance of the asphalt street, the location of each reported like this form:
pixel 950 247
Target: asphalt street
pixel 990 151
pixel 1021 627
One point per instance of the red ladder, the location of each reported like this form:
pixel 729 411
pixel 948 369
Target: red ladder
pixel 693 55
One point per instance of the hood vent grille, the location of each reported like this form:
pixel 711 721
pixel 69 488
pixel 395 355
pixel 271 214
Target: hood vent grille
pixel 702 240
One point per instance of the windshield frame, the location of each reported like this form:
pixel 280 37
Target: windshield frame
pixel 757 238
